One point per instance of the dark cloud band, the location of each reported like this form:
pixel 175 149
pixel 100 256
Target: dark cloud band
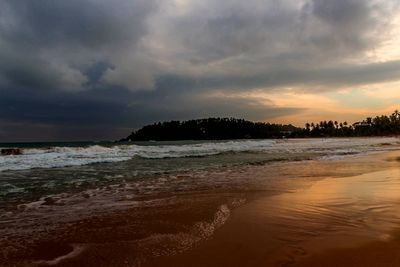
pixel 120 64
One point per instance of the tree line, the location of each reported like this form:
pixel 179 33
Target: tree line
pixel 210 129
pixel 378 126
pixel 231 128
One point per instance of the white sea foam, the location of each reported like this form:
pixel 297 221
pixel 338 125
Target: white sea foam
pixel 75 156
pixel 60 157
pixel 172 244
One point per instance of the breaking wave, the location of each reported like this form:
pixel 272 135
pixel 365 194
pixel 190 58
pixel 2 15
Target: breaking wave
pixel 55 157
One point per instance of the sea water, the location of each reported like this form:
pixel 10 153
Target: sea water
pixel 46 169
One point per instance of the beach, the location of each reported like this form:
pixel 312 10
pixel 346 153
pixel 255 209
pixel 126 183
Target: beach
pixel 310 209
pixel 337 221
pixel 192 133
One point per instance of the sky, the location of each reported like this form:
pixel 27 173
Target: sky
pixel 97 69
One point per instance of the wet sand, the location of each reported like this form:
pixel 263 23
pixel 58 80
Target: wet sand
pixel 378 253
pixel 348 221
pixel 314 213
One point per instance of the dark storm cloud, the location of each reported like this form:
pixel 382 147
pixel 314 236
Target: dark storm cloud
pixel 111 113
pixel 46 44
pixel 61 108
pixel 53 44
pixel 88 23
pixel 299 31
pixel 95 71
pixel 105 66
pixel 315 78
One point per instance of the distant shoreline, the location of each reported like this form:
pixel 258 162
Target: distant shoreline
pixel 232 128
pixel 119 142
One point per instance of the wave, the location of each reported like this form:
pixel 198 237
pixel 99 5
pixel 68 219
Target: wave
pixel 76 156
pixel 55 157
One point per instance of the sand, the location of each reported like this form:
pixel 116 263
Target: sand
pixel 323 213
pixel 347 221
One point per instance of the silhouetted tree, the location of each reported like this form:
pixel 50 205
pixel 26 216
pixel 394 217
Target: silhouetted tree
pixel 231 128
pixel 211 129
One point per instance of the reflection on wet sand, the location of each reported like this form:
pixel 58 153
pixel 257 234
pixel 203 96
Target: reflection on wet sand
pixel 289 228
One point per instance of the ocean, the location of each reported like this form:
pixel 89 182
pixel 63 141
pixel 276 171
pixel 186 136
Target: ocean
pixel 53 184
pixel 45 169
